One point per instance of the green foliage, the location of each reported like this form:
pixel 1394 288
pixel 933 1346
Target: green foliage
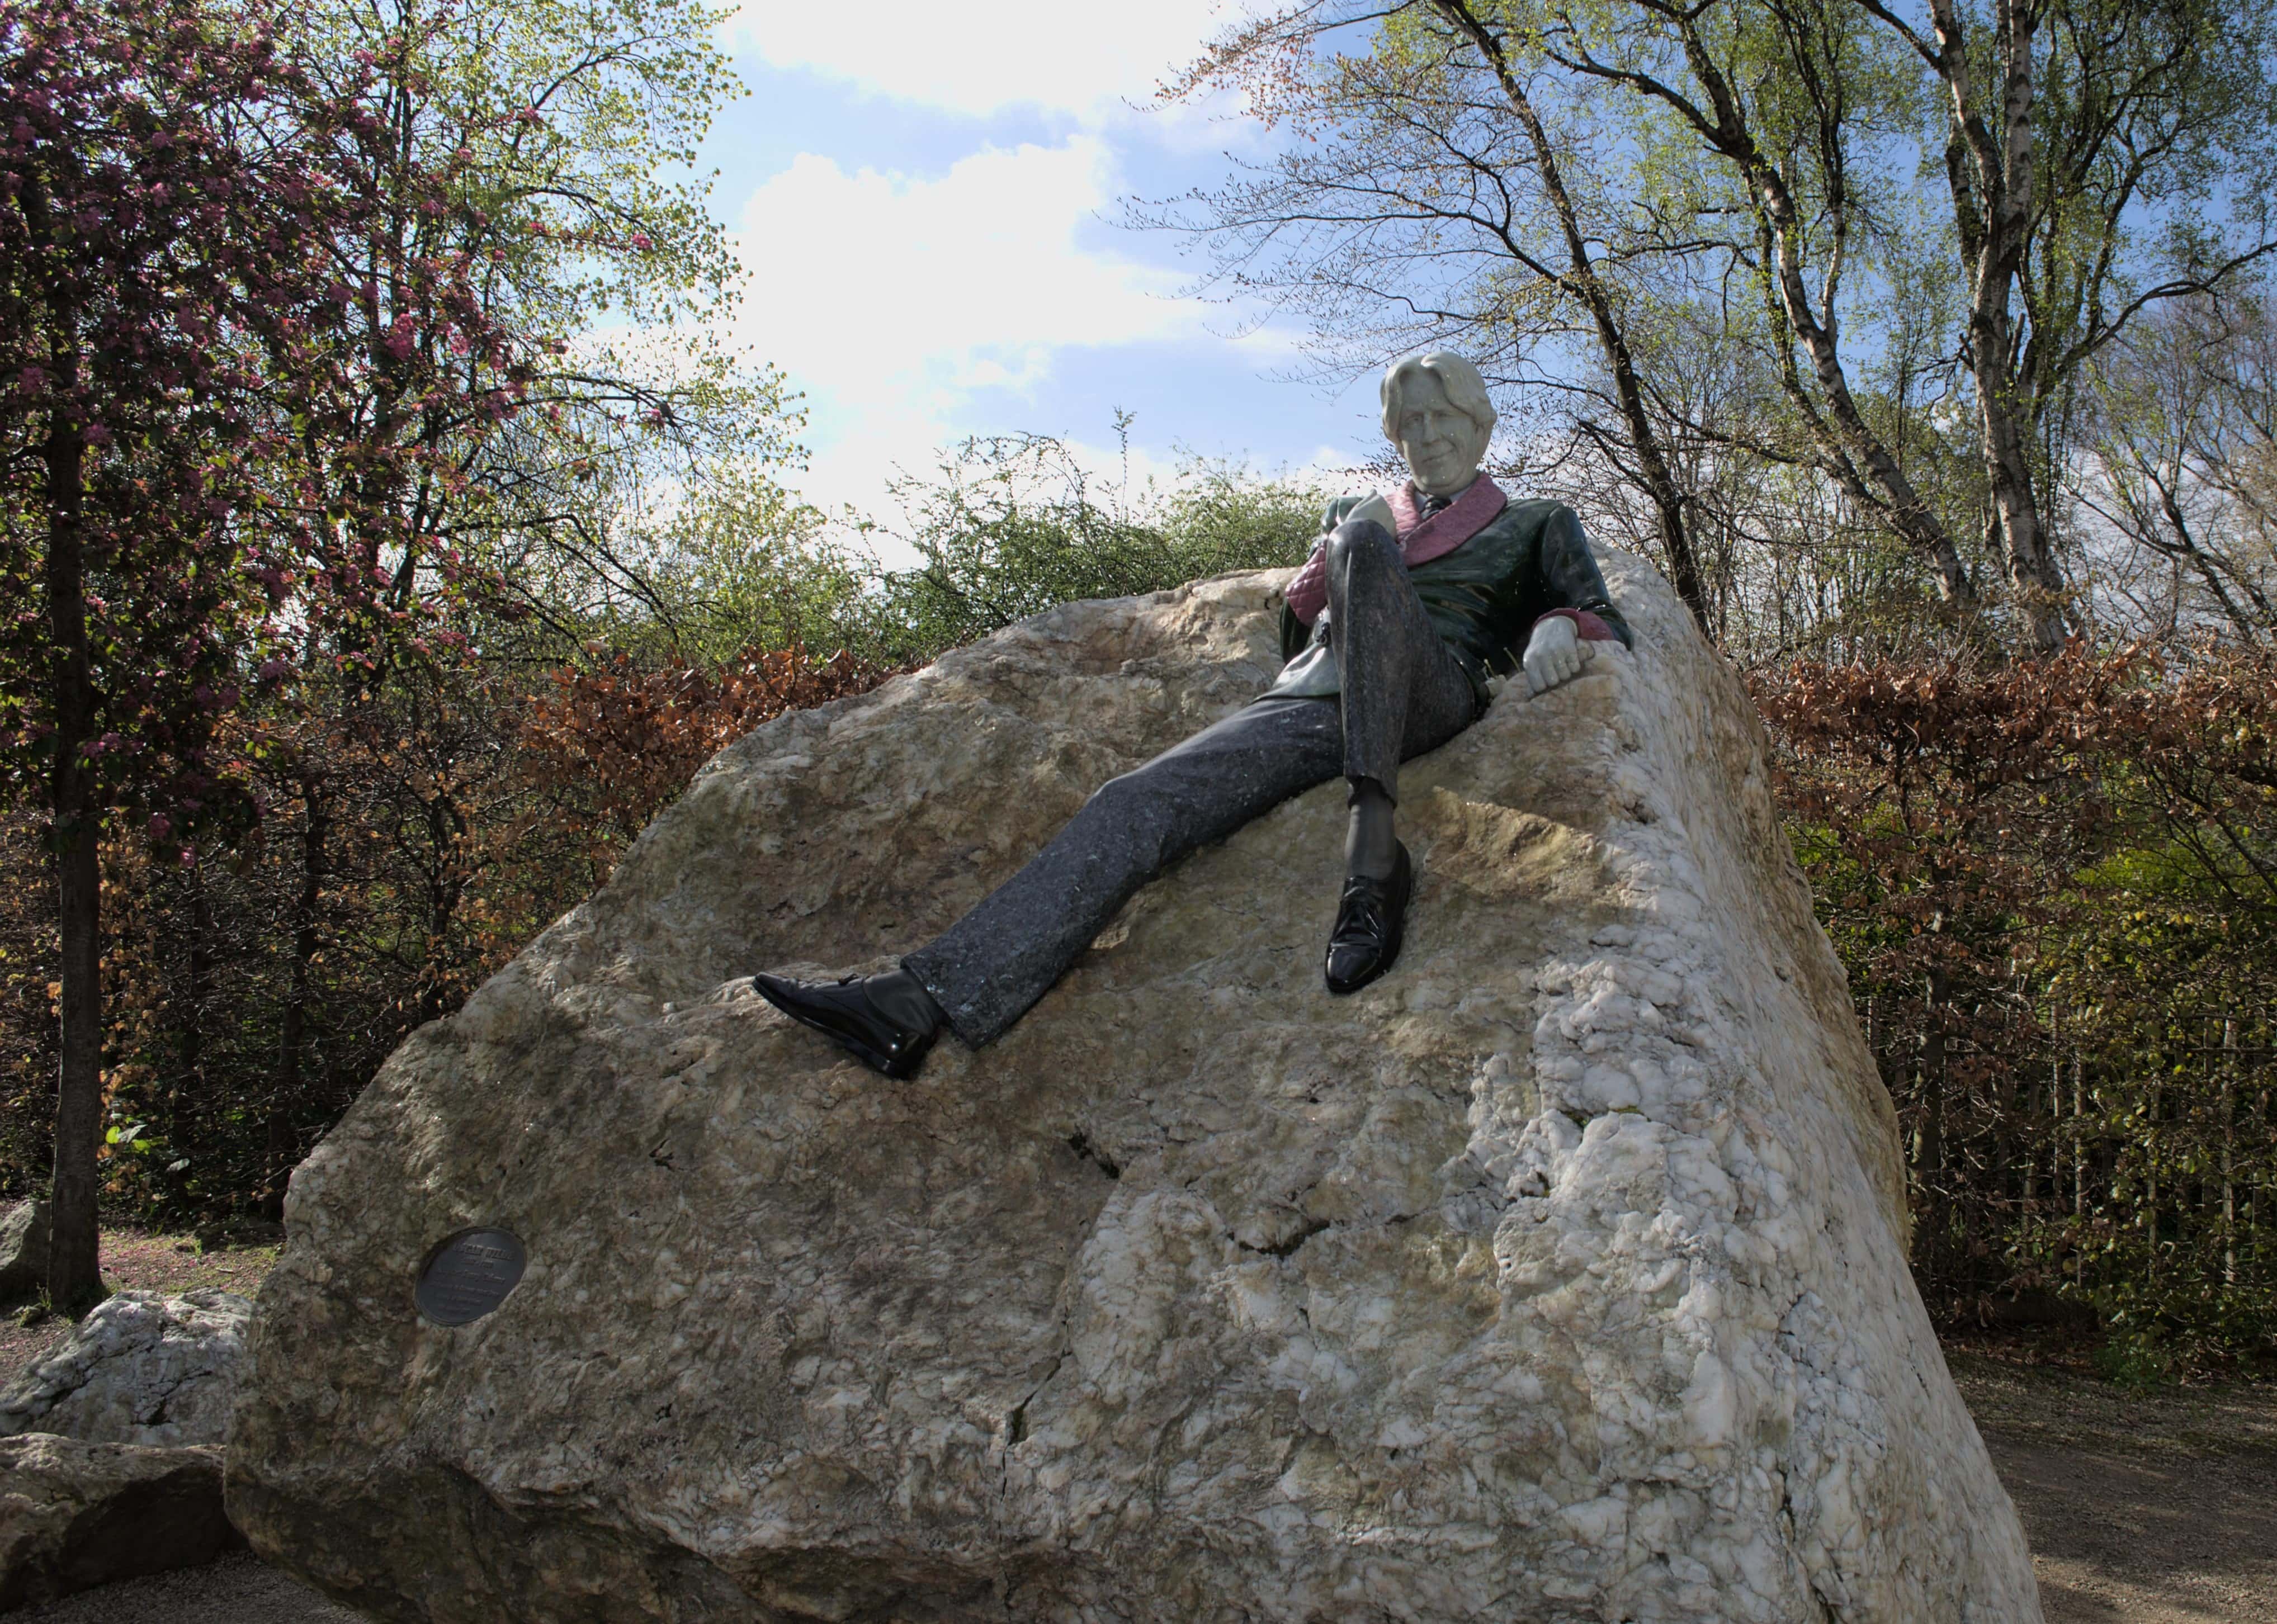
pixel 727 564
pixel 544 150
pixel 731 564
pixel 1013 526
pixel 2140 1363
pixel 2054 888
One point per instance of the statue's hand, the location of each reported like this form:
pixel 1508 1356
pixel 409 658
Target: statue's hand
pixel 1374 507
pixel 1554 655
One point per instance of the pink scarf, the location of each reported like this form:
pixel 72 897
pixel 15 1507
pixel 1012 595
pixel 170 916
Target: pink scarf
pixel 1421 539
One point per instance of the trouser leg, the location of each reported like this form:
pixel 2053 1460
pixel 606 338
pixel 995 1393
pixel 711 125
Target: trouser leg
pixel 1404 692
pixel 987 969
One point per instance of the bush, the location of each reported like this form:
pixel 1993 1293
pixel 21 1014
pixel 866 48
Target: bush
pixel 1014 527
pixel 2054 887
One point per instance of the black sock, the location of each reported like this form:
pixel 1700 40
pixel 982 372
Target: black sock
pixel 1371 848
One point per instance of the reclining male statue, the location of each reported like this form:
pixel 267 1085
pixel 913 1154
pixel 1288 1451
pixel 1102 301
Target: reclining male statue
pixel 1410 606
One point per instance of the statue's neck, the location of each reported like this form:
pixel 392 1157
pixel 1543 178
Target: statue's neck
pixel 1452 496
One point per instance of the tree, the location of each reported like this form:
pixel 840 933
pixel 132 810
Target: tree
pixel 514 166
pixel 1439 194
pixel 159 317
pixel 2101 156
pixel 2174 436
pixel 1794 105
pixel 525 347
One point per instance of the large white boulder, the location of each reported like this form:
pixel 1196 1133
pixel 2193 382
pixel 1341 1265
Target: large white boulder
pixel 140 1368
pixel 1559 1276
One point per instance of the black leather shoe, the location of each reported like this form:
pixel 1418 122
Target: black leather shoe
pixel 1370 917
pixel 886 1025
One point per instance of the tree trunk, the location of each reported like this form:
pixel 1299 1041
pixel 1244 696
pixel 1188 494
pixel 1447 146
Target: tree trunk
pixel 74 1276
pixel 2186 542
pixel 1851 451
pixel 1993 220
pixel 2030 568
pixel 2079 1166
pixel 2229 1154
pixel 1850 437
pixel 1929 1142
pixel 187 1087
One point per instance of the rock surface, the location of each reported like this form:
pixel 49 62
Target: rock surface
pixel 74 1515
pixel 23 1250
pixel 140 1368
pixel 1558 1275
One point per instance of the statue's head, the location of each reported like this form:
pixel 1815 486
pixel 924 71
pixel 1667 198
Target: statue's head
pixel 1436 411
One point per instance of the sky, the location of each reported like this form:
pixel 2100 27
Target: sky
pixel 928 200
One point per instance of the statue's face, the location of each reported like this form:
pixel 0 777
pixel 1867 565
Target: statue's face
pixel 1441 444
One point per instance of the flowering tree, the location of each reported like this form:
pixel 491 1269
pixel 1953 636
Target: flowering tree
pixel 528 296
pixel 524 336
pixel 171 375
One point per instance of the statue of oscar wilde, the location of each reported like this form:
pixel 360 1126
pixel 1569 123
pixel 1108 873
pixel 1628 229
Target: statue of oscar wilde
pixel 1411 606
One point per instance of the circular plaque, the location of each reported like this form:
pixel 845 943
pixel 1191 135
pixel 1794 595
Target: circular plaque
pixel 469 1274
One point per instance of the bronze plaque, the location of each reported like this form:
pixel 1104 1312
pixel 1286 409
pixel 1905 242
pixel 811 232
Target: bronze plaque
pixel 468 1275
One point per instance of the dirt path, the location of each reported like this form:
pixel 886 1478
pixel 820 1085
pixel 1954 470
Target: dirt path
pixel 2142 1508
pixel 134 1261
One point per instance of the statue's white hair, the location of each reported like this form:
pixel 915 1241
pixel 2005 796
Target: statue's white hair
pixel 1466 390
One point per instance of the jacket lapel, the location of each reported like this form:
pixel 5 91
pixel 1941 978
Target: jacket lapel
pixel 1422 540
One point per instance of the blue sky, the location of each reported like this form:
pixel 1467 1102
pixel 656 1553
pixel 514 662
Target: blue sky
pixel 928 211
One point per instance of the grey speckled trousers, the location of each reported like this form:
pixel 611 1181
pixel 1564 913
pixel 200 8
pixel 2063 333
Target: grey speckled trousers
pixel 1403 693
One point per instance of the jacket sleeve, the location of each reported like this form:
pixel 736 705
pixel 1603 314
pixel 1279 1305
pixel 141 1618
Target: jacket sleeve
pixel 1572 580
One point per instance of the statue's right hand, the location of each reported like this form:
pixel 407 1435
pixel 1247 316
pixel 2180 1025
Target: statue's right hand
pixel 1374 508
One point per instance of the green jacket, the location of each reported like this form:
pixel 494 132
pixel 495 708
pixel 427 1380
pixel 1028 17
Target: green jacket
pixel 1484 598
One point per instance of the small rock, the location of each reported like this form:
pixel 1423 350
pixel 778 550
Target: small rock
pixel 140 1369
pixel 23 1249
pixel 74 1515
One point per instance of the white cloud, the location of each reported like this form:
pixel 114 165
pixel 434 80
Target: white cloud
pixel 890 299
pixel 981 58
pixel 982 268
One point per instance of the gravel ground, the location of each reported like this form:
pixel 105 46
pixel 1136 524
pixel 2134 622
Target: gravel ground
pixel 2154 1507
pixel 2142 1508
pixel 237 1589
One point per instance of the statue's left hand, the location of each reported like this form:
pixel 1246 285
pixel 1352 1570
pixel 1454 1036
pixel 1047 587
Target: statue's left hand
pixel 1554 655
pixel 1375 509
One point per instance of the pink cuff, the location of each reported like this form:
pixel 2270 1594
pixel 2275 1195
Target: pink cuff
pixel 1307 591
pixel 1589 628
